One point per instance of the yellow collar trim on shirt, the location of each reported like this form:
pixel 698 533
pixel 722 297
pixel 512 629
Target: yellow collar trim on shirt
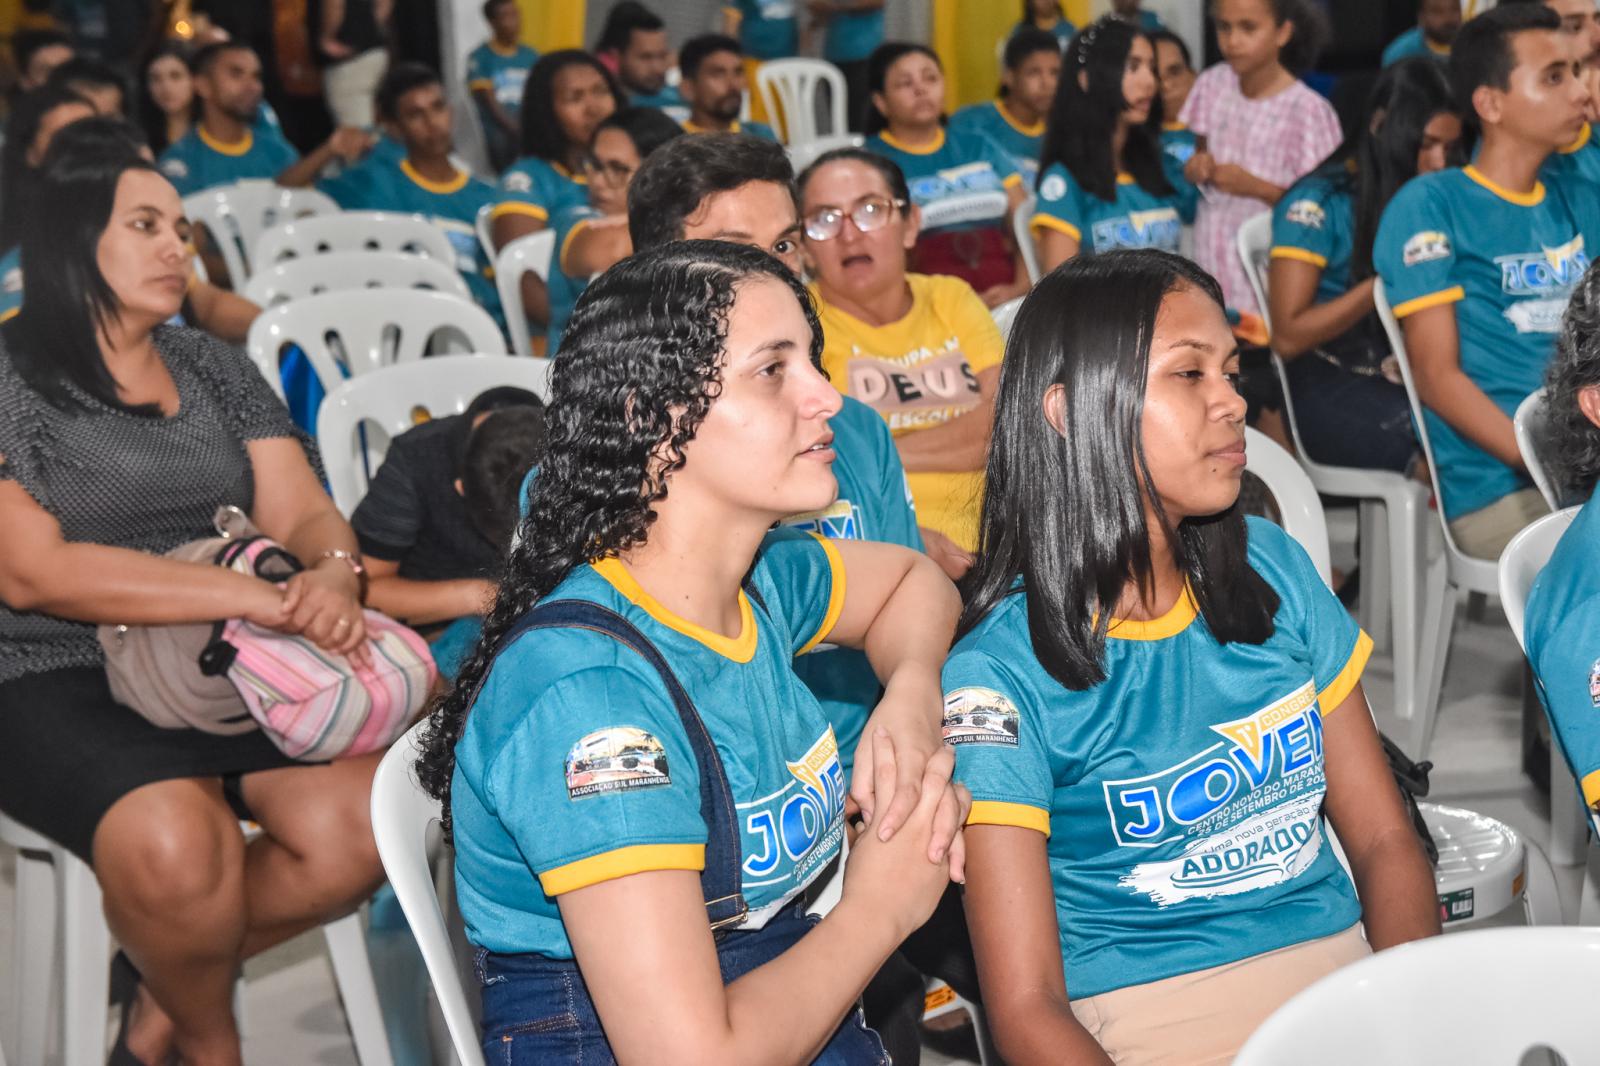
pixel 1436 49
pixel 690 127
pixel 506 53
pixel 580 179
pixel 1175 621
pixel 1174 127
pixel 740 649
pixel 914 149
pixel 1583 139
pixel 237 148
pixel 455 184
pixel 1035 130
pixel 1124 178
pixel 1521 199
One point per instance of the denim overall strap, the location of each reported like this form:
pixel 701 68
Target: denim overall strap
pixel 720 881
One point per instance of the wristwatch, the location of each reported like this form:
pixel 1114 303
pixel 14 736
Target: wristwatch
pixel 354 562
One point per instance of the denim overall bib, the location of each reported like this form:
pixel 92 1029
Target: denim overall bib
pixel 537 1009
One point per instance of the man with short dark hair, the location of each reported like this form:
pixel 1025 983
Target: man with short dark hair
pixel 37 53
pixel 1438 22
pixel 422 179
pixel 96 82
pixel 1015 120
pixel 1478 263
pixel 638 38
pixel 713 87
pixel 227 144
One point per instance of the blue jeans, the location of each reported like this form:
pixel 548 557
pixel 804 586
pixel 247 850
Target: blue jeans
pixel 537 1010
pixel 1350 419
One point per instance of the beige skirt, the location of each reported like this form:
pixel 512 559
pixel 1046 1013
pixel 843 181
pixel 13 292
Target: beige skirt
pixel 1201 1018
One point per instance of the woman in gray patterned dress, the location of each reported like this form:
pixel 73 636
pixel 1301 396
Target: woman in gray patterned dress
pixel 119 438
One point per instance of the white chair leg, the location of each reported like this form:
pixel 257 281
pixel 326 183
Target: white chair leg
pixel 1435 649
pixel 1569 822
pixel 1407 539
pixel 33 973
pixel 1589 897
pixel 1374 608
pixel 352 972
pixel 86 957
pixel 1541 900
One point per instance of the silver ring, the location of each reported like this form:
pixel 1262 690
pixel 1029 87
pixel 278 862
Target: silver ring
pixel 342 622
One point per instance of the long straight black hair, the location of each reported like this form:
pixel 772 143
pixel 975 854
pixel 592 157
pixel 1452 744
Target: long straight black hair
pixel 541 133
pixel 1066 512
pixel 1083 119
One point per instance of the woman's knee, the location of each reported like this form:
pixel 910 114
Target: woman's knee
pixel 329 827
pixel 169 848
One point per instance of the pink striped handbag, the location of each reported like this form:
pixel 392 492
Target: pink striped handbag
pixel 233 676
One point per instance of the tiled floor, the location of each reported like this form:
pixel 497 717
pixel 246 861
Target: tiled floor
pixel 292 1015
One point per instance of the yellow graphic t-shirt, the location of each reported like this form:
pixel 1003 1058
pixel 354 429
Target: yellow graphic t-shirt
pixel 917 373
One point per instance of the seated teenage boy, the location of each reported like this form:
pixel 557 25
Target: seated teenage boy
pixel 411 104
pixel 713 86
pixel 1477 263
pixel 1015 120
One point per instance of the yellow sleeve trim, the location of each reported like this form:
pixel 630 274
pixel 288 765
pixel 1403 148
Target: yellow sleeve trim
pixel 1284 251
pixel 480 83
pixel 835 595
pixel 7 316
pixel 610 865
pixel 1341 686
pixel 1021 815
pixel 1591 789
pixel 566 245
pixel 517 207
pixel 1435 299
pixel 1059 225
pixel 1012 181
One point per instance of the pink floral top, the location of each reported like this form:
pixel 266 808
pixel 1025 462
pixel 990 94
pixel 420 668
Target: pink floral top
pixel 1279 138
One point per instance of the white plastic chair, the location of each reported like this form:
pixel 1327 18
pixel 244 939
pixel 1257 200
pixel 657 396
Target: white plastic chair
pixel 789 89
pixel 1022 229
pixel 57 895
pixel 987 207
pixel 294 279
pixel 484 227
pixel 353 231
pixel 388 399
pixel 528 253
pixel 1005 315
pixel 402 819
pixel 1529 424
pixel 803 153
pixel 1488 996
pixel 1296 497
pixel 939 999
pixel 1449 575
pixel 350 333
pixel 237 215
pixel 1392 510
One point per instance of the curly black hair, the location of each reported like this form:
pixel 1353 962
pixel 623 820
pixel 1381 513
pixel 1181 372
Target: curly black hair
pixel 1569 437
pixel 641 364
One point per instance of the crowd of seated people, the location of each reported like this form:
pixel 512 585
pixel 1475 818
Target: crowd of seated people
pixel 836 522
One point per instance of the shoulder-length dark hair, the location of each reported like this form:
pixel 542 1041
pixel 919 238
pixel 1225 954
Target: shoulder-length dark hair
pixel 882 58
pixel 646 340
pixel 1406 98
pixel 1083 119
pixel 54 340
pixel 647 127
pixel 151 118
pixel 1066 512
pixel 17 176
pixel 542 136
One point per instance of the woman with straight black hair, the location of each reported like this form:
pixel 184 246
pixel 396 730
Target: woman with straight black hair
pixel 121 437
pixel 165 95
pixel 1104 181
pixel 645 629
pixel 1350 405
pixel 1155 700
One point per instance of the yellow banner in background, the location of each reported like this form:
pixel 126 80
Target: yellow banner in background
pixel 967 36
pixel 551 24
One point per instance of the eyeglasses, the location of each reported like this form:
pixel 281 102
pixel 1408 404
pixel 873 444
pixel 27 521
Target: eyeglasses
pixel 620 173
pixel 868 215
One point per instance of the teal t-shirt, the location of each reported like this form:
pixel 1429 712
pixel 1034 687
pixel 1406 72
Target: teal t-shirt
pixel 1137 218
pixel 1178 143
pixel 574 768
pixel 768 29
pixel 383 184
pixel 502 73
pixel 1314 222
pixel 851 38
pixel 1508 263
pixel 1561 630
pixel 11 282
pixel 539 188
pixel 1182 796
pixel 1021 143
pixel 564 289
pixel 664 97
pixel 750 129
pixel 1580 160
pixel 874 504
pixel 956 165
pixel 1413 43
pixel 196 161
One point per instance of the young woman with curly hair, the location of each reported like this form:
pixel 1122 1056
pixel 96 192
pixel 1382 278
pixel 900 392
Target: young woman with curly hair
pixel 617 816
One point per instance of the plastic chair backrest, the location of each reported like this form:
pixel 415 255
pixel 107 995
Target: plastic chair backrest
pixel 1022 225
pixel 1297 499
pixel 345 334
pixel 802 154
pixel 354 231
pixel 402 820
pixel 1529 422
pixel 1522 560
pixel 294 279
pixel 389 401
pixel 1482 995
pixel 985 207
pixel 483 226
pixel 789 89
pixel 1254 244
pixel 1005 315
pixel 529 253
pixel 238 214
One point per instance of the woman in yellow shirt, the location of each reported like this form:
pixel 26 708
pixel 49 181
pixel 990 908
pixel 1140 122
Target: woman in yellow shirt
pixel 921 350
